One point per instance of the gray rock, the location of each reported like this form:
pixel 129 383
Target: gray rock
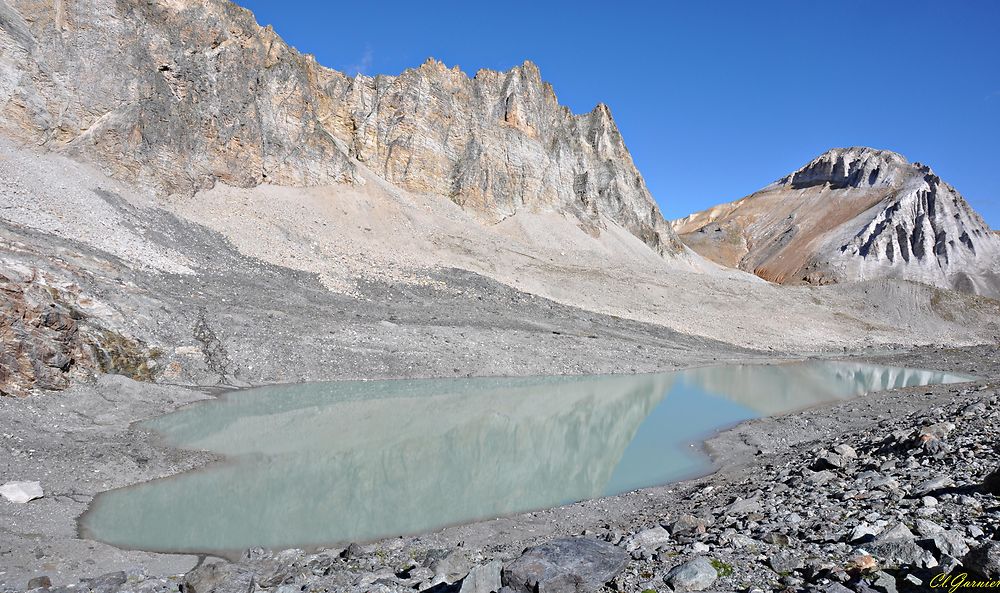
pixel 648 539
pixel 984 560
pixel 927 528
pixel 913 580
pixel 696 574
pixel 106 583
pixel 931 485
pixel 951 543
pixel 688 524
pixel 863 532
pixel 827 460
pixel 845 451
pixel 778 539
pixel 884 583
pixel 784 561
pixel 41 582
pixel 565 566
pixel 448 566
pixel 483 578
pixel 941 430
pixel 742 506
pixel 218 578
pixel 900 552
pixel 897 532
pixel 739 541
pixel 821 477
pixel 21 492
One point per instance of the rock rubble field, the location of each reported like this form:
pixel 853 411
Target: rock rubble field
pixel 881 493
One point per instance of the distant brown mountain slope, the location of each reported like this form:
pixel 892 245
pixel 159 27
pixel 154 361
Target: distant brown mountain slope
pixel 852 214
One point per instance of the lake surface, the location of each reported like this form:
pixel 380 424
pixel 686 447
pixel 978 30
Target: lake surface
pixel 324 463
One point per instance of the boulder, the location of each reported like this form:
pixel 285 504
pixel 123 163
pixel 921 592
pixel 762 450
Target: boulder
pixel 845 451
pixel 572 565
pixel 448 566
pixel 900 553
pixel 21 492
pixel 928 486
pixel 648 539
pixel 819 478
pixel 484 578
pixel 697 574
pixel 688 524
pixel 984 560
pixel 884 583
pixel 106 583
pixel 784 561
pixel 827 460
pixel 42 582
pixel 218 578
pixel 991 483
pixel 742 506
pixel 897 532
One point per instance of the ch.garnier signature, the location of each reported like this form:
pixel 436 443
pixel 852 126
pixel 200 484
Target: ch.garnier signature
pixel 960 582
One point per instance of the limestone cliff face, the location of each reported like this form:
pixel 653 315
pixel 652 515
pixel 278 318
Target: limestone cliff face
pixel 173 94
pixel 851 214
pixel 180 94
pixel 495 143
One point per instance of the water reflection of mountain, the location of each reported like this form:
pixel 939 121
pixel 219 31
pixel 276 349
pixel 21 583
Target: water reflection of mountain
pixel 318 464
pixel 778 388
pixel 373 459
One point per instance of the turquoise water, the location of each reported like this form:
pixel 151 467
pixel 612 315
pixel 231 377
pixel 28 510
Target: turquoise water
pixel 324 463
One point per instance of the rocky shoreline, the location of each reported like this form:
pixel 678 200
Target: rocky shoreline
pixel 880 493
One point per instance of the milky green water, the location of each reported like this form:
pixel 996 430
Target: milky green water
pixel 324 463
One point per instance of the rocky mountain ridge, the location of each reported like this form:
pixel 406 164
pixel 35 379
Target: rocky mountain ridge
pixel 179 95
pixel 853 214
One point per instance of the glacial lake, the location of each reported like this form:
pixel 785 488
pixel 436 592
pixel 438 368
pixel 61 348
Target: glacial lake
pixel 308 465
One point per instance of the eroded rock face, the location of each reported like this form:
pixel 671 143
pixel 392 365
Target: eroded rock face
pixel 181 94
pixel 172 94
pixel 853 214
pixel 496 143
pixel 46 338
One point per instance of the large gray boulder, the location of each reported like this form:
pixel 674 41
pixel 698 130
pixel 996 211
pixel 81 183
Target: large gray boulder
pixel 984 560
pixel 697 574
pixel 573 565
pixel 484 578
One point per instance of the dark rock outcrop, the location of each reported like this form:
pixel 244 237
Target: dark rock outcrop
pixel 46 339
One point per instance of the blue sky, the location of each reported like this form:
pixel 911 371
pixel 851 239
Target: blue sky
pixel 714 99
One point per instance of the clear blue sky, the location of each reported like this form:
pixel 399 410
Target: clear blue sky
pixel 714 99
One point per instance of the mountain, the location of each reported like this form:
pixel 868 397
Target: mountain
pixel 182 94
pixel 186 198
pixel 852 214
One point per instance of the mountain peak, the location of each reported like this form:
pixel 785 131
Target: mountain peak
pixel 851 167
pixel 853 214
pixel 207 96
